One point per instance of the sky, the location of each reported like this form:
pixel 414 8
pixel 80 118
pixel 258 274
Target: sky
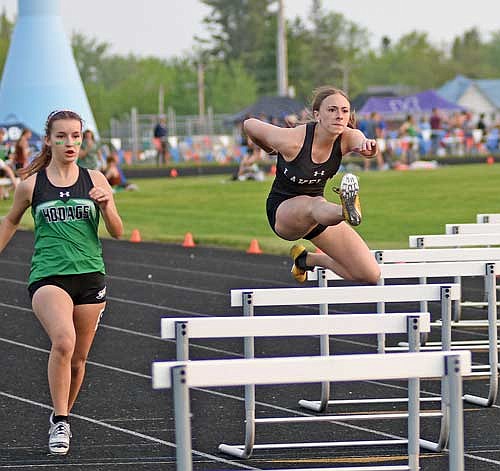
pixel 166 28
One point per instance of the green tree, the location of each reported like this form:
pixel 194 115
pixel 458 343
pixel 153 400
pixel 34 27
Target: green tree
pixel 244 30
pixel 413 61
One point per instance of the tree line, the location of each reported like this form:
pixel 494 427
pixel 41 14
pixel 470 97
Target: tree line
pixel 239 61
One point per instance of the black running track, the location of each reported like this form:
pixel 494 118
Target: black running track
pixel 120 423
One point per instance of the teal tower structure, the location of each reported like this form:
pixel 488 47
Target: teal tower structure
pixel 40 74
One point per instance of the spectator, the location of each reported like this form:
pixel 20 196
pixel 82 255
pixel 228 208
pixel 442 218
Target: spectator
pixel 22 150
pixel 90 156
pixel 5 169
pixel 408 132
pixel 435 122
pixel 160 134
pixel 373 131
pixel 115 176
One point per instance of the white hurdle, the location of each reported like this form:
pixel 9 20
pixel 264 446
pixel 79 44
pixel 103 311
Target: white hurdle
pixel 453 240
pixel 472 228
pixel 182 329
pixel 447 269
pixel 488 218
pixel 181 376
pixel 251 298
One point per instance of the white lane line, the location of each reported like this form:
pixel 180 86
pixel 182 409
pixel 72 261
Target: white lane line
pixel 207 274
pixel 129 432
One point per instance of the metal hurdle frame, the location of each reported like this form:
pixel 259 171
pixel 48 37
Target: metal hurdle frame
pixel 443 269
pixel 181 376
pixel 251 298
pixel 454 240
pixel 488 218
pixel 182 330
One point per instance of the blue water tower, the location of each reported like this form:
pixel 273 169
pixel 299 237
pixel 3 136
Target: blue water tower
pixel 40 73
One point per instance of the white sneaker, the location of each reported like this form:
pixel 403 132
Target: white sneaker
pixel 59 435
pixel 349 197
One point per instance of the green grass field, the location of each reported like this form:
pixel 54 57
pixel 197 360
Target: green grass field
pixel 221 212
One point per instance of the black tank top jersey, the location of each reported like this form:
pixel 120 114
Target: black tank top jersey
pixel 302 176
pixel 44 190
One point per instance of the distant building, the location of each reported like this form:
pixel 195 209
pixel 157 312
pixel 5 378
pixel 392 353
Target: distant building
pixel 476 95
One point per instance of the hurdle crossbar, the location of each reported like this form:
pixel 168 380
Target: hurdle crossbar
pixel 446 269
pixel 181 376
pixel 472 228
pixel 488 218
pixel 453 240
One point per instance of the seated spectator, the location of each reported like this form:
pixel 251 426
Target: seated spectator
pixel 22 150
pixel 115 176
pixel 89 156
pixel 249 168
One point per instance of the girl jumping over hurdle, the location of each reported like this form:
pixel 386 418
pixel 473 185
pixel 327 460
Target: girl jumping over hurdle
pixel 308 155
pixel 66 282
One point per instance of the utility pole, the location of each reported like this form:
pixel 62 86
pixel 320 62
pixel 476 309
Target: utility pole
pixel 281 59
pixel 201 91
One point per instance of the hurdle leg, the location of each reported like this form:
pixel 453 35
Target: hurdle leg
pixel 245 451
pixel 182 420
pixel 182 340
pixel 381 310
pixel 456 444
pixel 490 288
pixel 413 398
pixel 424 307
pixel 457 308
pixel 446 346
pixel 324 345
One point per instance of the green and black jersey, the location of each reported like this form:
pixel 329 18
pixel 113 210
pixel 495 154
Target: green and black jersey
pixel 66 229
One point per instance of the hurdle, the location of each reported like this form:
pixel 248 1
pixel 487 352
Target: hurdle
pixel 181 376
pixel 446 269
pixel 453 240
pixel 488 218
pixel 249 299
pixel 472 228
pixel 182 330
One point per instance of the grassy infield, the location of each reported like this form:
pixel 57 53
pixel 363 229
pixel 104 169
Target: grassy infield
pixel 220 212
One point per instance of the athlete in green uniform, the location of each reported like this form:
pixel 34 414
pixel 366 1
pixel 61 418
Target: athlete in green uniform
pixel 66 282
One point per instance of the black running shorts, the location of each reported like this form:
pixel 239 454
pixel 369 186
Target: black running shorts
pixel 86 288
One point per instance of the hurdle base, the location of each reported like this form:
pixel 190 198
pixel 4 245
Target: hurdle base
pixel 431 446
pixel 234 450
pixel 315 406
pixel 479 401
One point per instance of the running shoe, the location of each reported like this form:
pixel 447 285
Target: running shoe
pixel 59 435
pixel 349 197
pixel 298 273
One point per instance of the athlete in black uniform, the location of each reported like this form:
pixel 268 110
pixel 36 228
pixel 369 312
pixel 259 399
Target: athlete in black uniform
pixel 308 155
pixel 66 281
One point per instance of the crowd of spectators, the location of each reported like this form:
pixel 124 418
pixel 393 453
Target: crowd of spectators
pixel 438 134
pixel 17 154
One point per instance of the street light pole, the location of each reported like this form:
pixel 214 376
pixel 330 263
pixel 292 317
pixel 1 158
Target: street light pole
pixel 281 59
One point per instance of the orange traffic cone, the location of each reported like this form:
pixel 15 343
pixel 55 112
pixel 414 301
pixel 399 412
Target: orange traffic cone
pixel 174 173
pixel 490 160
pixel 188 240
pixel 135 236
pixel 254 247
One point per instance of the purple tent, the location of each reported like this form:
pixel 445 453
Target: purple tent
pixel 422 102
